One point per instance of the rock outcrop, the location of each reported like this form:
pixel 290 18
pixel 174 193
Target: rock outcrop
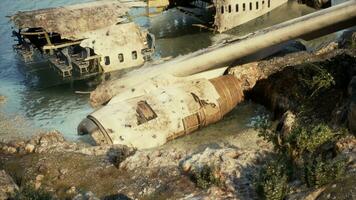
pixel 229 168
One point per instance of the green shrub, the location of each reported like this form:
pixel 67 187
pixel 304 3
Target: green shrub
pixel 205 177
pixel 272 181
pixel 319 171
pixel 310 140
pixel 308 151
pixel 320 79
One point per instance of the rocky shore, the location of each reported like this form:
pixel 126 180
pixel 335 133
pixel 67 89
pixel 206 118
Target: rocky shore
pixel 318 89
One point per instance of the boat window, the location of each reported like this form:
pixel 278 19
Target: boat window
pixel 256 5
pixel 121 57
pixel 269 3
pixel 107 60
pixel 237 7
pixel 222 9
pixel 243 6
pixel 250 5
pixel 229 8
pixel 134 55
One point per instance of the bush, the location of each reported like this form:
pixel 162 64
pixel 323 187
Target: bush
pixel 307 151
pixel 272 181
pixel 318 171
pixel 205 177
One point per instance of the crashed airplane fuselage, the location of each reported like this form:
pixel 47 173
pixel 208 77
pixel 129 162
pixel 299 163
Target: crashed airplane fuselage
pixel 157 104
pixel 227 13
pixel 83 40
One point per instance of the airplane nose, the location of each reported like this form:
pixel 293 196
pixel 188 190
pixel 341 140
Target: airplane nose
pixel 86 127
pixel 90 126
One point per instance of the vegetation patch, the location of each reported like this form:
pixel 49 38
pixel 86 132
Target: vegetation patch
pixel 306 154
pixel 205 177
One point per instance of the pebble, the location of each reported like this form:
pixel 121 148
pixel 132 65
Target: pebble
pixel 29 148
pixel 71 190
pixel 39 177
pixel 37 185
pixel 11 150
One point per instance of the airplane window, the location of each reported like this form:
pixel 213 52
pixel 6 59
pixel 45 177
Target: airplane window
pixel 134 55
pixel 237 7
pixel 107 60
pixel 121 57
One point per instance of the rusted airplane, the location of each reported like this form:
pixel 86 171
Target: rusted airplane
pixel 226 14
pixel 154 105
pixel 83 40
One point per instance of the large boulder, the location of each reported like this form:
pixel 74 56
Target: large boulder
pixel 228 168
